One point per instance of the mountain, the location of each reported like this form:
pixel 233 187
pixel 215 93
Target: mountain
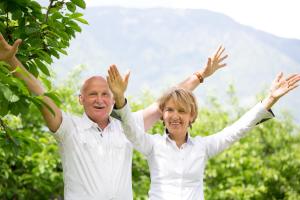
pixel 163 46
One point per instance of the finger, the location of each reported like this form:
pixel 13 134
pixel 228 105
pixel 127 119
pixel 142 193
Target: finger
pixel 108 81
pixel 16 45
pixel 110 73
pixel 223 58
pixel 116 72
pixel 113 71
pixel 2 41
pixel 293 87
pixel 290 77
pixel 222 65
pixel 221 51
pixel 127 75
pixel 294 80
pixel 218 50
pixel 278 77
pixel 208 62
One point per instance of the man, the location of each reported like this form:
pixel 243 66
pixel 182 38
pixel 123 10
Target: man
pixel 96 156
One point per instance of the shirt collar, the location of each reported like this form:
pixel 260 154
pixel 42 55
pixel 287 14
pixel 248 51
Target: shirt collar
pixel 88 123
pixel 189 140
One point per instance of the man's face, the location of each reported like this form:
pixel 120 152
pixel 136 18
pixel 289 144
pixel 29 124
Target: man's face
pixel 97 99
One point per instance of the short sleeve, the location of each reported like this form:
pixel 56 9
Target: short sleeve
pixel 64 128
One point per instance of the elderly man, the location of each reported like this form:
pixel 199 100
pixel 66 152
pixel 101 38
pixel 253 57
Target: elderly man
pixel 96 156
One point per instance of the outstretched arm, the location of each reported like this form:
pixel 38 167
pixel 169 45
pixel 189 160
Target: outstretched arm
pixel 280 86
pixel 214 63
pixel 222 140
pixel 8 55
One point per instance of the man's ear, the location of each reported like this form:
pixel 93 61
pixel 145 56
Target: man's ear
pixel 80 99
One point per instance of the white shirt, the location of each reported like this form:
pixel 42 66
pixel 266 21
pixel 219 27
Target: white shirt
pixel 177 173
pixel 96 163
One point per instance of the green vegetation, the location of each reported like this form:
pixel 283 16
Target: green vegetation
pixel 264 165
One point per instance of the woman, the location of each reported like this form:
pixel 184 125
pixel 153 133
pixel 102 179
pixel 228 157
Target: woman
pixel 176 160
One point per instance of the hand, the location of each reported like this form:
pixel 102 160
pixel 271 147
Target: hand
pixel 7 52
pixel 281 86
pixel 117 85
pixel 214 63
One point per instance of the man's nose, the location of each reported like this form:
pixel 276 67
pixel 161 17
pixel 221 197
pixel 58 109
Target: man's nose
pixel 99 98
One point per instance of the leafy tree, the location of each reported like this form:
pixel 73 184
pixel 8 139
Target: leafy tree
pixel 29 164
pixel 46 33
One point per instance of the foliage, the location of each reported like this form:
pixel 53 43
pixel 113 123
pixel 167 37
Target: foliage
pixel 46 33
pixel 29 164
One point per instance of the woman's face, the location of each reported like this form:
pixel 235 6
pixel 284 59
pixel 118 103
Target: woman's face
pixel 176 118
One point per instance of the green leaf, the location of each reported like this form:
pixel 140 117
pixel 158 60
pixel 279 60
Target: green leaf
pixel 82 20
pixel 4 106
pixel 21 85
pixel 32 68
pixel 39 102
pixel 75 15
pixel 75 26
pixel 61 51
pixel 8 94
pixel 46 82
pixel 44 56
pixel 54 97
pixel 31 29
pixel 42 67
pixel 79 3
pixel 71 7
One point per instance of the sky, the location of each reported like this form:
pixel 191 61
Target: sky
pixel 281 18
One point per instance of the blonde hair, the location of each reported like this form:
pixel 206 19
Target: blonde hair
pixel 182 98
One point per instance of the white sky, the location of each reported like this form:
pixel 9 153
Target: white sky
pixel 279 17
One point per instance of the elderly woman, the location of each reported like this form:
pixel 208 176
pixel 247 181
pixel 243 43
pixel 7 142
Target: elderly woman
pixel 177 160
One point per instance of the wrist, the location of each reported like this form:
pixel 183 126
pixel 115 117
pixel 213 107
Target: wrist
pixel 200 76
pixel 119 101
pixel 12 62
pixel 269 101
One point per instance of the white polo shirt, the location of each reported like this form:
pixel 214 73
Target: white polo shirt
pixel 96 163
pixel 177 173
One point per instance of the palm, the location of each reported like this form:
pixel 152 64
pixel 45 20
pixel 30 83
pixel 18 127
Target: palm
pixel 7 51
pixel 282 86
pixel 215 62
pixel 117 84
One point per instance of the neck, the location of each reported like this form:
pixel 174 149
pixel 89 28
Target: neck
pixel 180 139
pixel 103 123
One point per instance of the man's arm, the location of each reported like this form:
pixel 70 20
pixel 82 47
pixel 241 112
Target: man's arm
pixel 8 55
pixel 152 114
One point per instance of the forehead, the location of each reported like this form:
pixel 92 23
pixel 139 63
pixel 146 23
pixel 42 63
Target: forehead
pixel 95 84
pixel 176 103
